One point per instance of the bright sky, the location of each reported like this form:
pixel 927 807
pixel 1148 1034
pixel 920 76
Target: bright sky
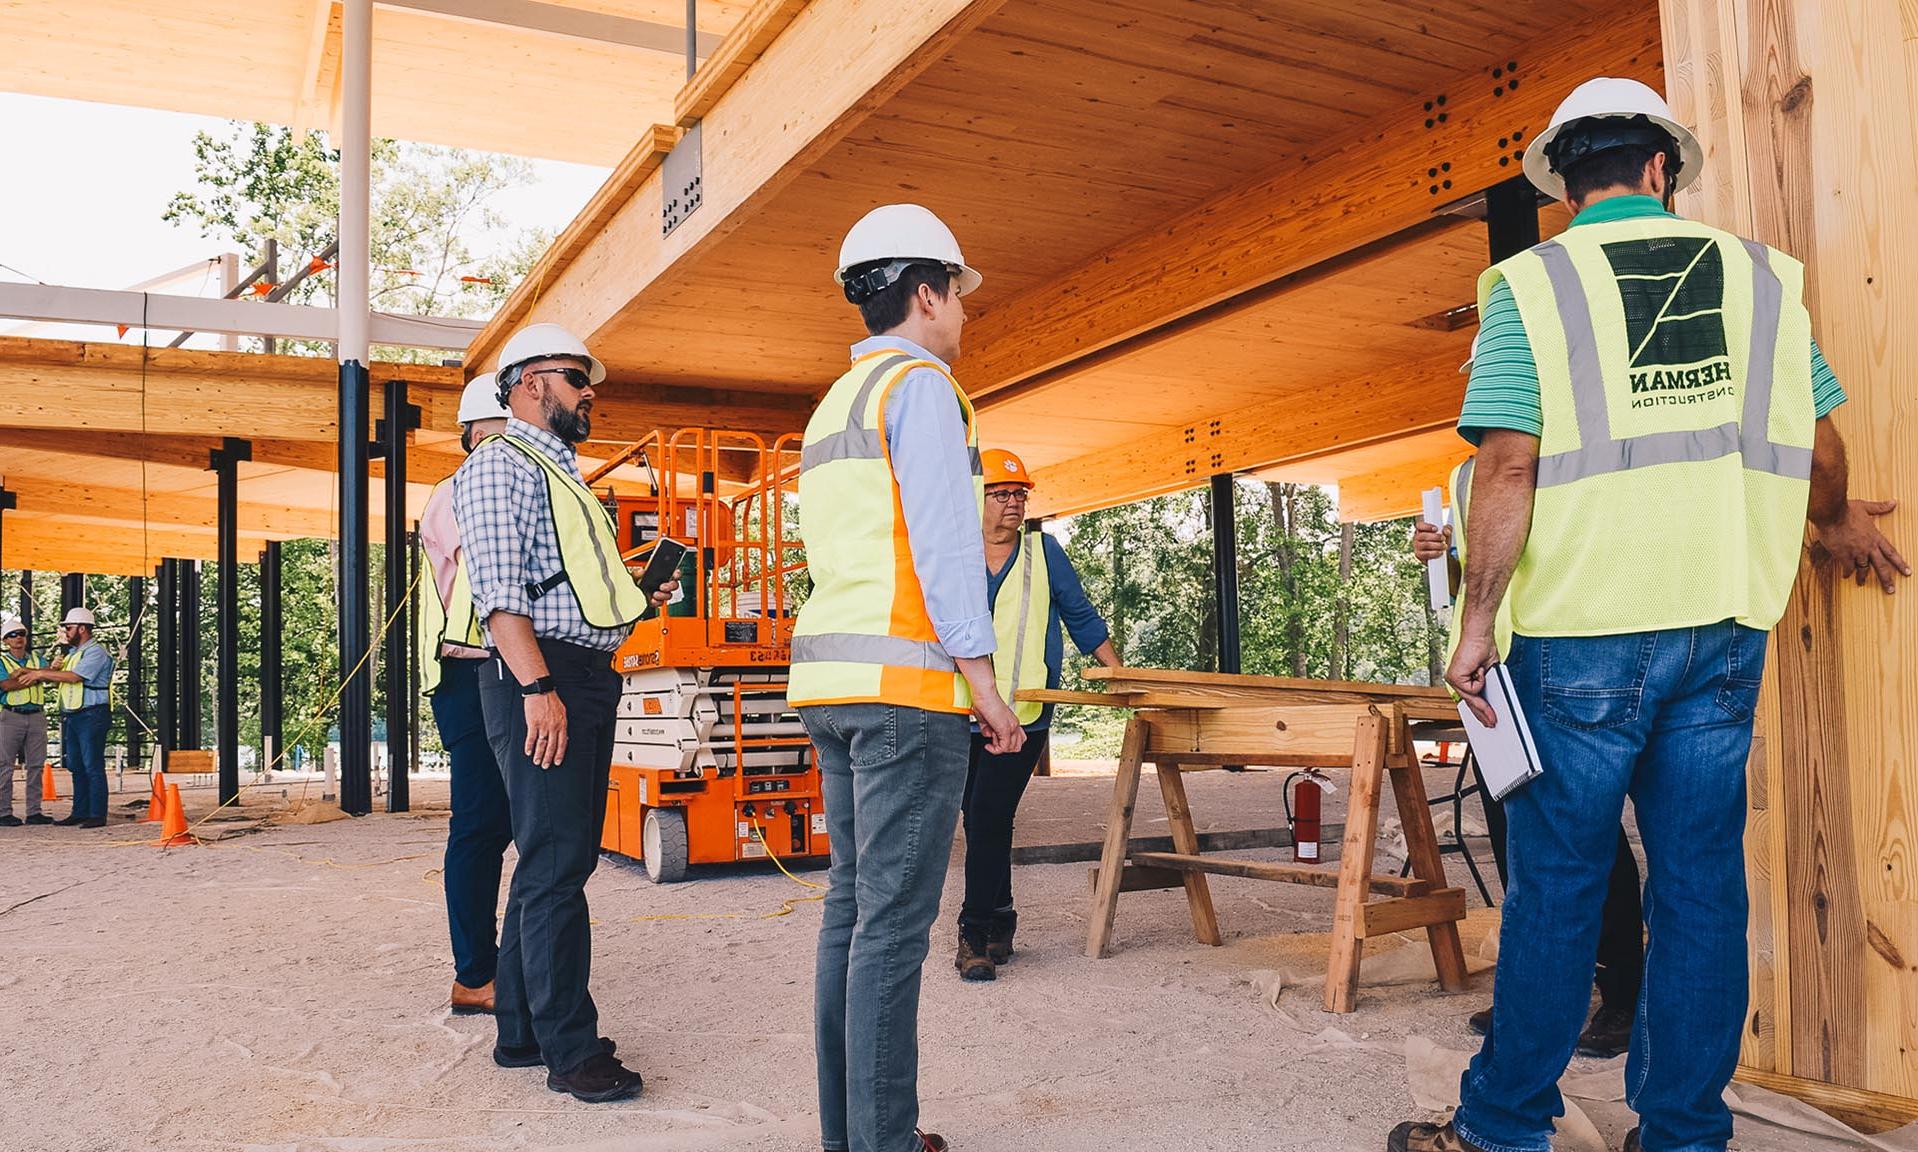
pixel 87 183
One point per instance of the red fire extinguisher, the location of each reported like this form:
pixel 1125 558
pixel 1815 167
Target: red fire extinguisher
pixel 1302 812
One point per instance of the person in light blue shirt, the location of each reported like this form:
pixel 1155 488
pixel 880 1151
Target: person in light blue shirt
pixel 85 672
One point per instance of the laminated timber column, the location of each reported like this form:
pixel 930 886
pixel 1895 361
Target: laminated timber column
pixel 1806 112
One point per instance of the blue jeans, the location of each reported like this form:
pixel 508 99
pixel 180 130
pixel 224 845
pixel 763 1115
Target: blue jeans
pixel 83 748
pixel 1666 718
pixel 480 830
pixel 892 778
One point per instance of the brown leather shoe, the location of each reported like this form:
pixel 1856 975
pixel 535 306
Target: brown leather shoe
pixel 1413 1136
pixel 932 1141
pixel 472 1001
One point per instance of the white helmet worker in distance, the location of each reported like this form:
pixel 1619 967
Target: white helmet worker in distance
pixel 78 616
pixel 542 356
pixel 1607 113
pixel 481 414
pixel 891 238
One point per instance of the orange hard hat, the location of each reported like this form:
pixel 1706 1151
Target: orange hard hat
pixel 1002 467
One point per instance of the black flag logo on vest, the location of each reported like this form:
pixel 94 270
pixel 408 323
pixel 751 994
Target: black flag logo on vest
pixel 1673 292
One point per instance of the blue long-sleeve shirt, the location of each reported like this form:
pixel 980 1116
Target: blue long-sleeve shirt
pixel 926 434
pixel 1070 607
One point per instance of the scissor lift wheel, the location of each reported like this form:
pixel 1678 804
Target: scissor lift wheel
pixel 663 842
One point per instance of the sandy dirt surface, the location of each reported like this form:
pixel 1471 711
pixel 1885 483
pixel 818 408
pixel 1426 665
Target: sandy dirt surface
pixel 285 989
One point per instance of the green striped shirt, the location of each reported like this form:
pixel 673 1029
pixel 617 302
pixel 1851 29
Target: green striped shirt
pixel 1503 390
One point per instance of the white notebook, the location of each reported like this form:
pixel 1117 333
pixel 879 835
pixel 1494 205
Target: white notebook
pixel 1507 757
pixel 1438 576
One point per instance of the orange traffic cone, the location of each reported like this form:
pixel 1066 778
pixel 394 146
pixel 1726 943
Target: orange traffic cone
pixel 48 789
pixel 156 803
pixel 173 828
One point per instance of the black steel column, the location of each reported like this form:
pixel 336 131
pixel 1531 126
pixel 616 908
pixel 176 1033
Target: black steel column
pixel 190 654
pixel 26 603
pixel 272 683
pixel 225 463
pixel 400 417
pixel 73 593
pixel 166 709
pixel 1225 571
pixel 136 669
pixel 356 699
pixel 1511 217
pixel 8 500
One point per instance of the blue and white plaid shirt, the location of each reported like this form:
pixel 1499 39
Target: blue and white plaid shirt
pixel 506 530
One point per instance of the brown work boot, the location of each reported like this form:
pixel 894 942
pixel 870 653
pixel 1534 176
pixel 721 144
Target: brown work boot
pixel 974 962
pixel 1609 1033
pixel 1416 1136
pixel 472 1001
pixel 999 937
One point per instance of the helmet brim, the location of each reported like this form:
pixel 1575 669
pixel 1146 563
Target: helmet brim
pixel 1538 169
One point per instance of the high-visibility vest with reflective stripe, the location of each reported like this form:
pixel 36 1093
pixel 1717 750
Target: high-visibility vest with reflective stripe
pixel 589 557
pixel 73 694
pixel 437 624
pixel 863 635
pixel 32 694
pixel 1675 462
pixel 1019 620
pixel 1461 488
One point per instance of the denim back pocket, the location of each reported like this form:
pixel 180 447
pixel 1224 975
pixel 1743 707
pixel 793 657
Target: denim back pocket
pixel 874 733
pixel 1594 682
pixel 1744 668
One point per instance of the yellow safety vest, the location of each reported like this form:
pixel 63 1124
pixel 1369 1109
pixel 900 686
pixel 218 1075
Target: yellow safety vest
pixel 1461 488
pixel 35 694
pixel 1019 619
pixel 1675 463
pixel 863 635
pixel 73 695
pixel 589 554
pixel 439 626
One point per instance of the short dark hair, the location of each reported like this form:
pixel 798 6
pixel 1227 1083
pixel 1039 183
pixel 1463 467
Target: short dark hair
pixel 888 308
pixel 1623 166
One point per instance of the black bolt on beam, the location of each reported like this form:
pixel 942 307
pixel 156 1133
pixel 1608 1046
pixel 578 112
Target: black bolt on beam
pixel 225 464
pixel 400 418
pixel 1225 571
pixel 272 680
pixel 191 659
pixel 356 694
pixel 166 706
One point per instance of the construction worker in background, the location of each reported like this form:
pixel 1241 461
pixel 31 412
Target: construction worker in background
pixel 23 723
pixel 1035 597
pixel 451 650
pixel 1651 417
pixel 554 599
pixel 85 677
pixel 889 654
pixel 1621 935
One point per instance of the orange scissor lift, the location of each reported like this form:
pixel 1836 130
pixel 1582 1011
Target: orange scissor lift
pixel 710 763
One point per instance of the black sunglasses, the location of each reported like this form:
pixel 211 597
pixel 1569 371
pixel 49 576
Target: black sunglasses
pixel 577 377
pixel 11 635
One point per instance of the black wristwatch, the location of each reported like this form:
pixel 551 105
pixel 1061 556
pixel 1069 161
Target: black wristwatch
pixel 539 687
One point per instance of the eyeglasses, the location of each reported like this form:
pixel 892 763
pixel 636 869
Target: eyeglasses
pixel 1007 496
pixel 12 636
pixel 577 377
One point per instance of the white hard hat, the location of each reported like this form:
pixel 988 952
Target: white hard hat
pixel 904 232
pixel 480 400
pixel 11 624
pixel 1609 97
pixel 1473 354
pixel 537 341
pixel 79 616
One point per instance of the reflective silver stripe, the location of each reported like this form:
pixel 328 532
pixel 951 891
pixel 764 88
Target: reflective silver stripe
pixel 978 463
pixel 1599 454
pixel 854 648
pixel 857 442
pixel 1025 610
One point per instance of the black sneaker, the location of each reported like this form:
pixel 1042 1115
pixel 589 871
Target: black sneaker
pixel 92 822
pixel 507 1056
pixel 11 821
pixel 973 961
pixel 1609 1033
pixel 40 818
pixel 70 821
pixel 1480 1022
pixel 600 1078
pixel 1631 1140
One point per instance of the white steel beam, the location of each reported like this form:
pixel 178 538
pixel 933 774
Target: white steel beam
pixel 558 20
pixel 53 303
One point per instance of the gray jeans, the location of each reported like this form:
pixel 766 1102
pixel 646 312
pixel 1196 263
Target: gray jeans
pixel 892 779
pixel 23 739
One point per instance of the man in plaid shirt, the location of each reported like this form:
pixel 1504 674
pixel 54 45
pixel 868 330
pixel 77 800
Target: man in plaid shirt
pixel 549 695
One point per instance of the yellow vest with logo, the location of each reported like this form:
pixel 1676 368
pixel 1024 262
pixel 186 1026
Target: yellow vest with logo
pixel 863 635
pixel 1675 463
pixel 35 694
pixel 1019 619
pixel 589 555
pixel 438 625
pixel 73 695
pixel 1460 485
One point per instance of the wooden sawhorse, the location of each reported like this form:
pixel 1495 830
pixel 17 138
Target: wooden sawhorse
pixel 1192 721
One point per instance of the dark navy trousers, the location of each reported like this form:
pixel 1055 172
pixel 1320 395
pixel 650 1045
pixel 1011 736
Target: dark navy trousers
pixel 481 827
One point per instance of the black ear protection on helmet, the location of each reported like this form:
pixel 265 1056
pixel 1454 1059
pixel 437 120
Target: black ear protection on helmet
pixel 864 281
pixel 1585 138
